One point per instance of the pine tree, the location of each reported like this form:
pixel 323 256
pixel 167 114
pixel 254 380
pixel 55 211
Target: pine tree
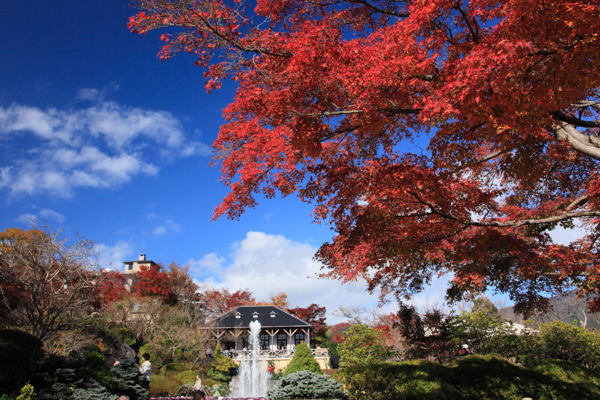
pixel 128 380
pixel 303 361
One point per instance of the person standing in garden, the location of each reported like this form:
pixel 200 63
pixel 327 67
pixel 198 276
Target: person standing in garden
pixel 146 369
pixel 271 370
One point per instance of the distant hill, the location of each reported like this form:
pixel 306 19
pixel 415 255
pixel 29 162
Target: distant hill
pixel 567 308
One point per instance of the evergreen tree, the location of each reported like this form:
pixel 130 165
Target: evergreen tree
pixel 306 385
pixel 303 361
pixel 128 380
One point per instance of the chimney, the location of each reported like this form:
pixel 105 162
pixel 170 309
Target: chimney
pixel 142 257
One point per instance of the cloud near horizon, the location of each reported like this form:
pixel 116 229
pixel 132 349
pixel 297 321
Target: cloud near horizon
pixel 102 146
pixel 268 264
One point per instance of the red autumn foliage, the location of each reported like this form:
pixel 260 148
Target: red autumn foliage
pixel 337 331
pixel 315 316
pixel 436 136
pixel 110 288
pixel 154 282
pixel 219 302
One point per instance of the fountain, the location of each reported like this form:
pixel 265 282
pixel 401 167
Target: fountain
pixel 253 368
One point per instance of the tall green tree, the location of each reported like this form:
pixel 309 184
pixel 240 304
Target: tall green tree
pixel 303 360
pixel 476 326
pixel 363 345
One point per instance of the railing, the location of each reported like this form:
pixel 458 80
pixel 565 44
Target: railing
pixel 270 354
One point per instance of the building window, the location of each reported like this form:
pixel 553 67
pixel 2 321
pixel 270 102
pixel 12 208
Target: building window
pixel 245 343
pixel 264 341
pixel 298 338
pixel 130 266
pixel 282 341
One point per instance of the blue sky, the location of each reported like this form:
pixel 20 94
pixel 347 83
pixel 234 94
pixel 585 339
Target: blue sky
pixel 102 139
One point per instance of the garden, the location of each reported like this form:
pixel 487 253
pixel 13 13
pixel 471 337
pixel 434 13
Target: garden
pixel 68 348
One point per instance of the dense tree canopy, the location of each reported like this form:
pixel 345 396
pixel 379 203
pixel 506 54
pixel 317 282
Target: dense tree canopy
pixel 436 136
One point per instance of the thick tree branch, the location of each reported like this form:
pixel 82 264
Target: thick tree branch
pixel 585 144
pixel 576 121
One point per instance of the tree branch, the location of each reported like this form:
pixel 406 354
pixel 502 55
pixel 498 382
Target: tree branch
pixel 585 144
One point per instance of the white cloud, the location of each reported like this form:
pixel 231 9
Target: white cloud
pixel 51 215
pixel 111 257
pixel 27 218
pixel 102 146
pixel 210 264
pixel 268 264
pixel 166 225
pixel 159 231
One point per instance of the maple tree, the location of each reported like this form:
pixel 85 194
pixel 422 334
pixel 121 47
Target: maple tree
pixel 436 136
pixel 315 316
pixel 153 281
pixel 110 289
pixel 219 302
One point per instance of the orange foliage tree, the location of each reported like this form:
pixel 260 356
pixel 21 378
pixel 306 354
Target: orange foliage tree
pixel 278 300
pixel 48 282
pixel 436 136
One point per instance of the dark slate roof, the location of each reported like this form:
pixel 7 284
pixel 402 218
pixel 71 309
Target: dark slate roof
pixel 282 319
pixel 139 261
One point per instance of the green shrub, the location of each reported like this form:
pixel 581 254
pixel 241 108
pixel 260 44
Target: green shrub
pixel 554 341
pixel 163 386
pixel 19 353
pixel 303 360
pixel 172 369
pixel 27 393
pixel 125 334
pixel 222 368
pixel 306 385
pixel 363 345
pixel 186 377
pixel 159 356
pixel 561 341
pixel 469 378
pixel 94 365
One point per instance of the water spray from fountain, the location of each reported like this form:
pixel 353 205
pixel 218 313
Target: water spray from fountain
pixel 253 368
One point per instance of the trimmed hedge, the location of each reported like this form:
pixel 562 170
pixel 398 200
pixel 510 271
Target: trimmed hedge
pixel 470 378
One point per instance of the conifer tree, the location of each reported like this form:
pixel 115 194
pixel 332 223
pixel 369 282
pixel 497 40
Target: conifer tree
pixel 303 360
